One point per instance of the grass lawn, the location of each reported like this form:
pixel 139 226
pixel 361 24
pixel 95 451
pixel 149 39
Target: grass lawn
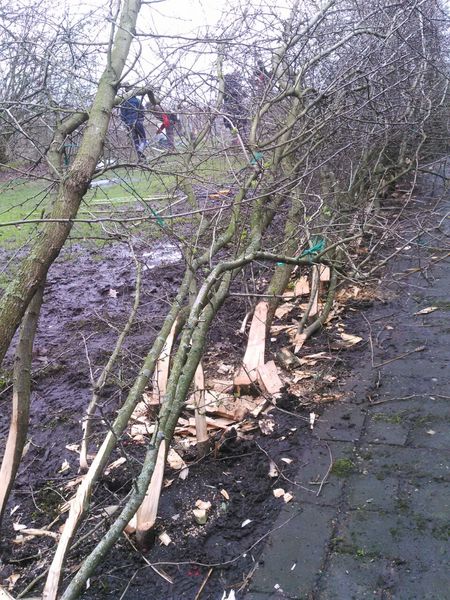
pixel 127 191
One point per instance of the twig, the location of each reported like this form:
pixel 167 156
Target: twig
pixel 157 571
pixel 386 362
pixel 322 483
pixel 393 399
pixel 202 587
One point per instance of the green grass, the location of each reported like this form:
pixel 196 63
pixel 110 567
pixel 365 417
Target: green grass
pixel 22 199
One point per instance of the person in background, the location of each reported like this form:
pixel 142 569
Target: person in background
pixel 132 116
pixel 169 121
pixel 234 111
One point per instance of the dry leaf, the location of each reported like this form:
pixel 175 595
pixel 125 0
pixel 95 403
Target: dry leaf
pixel 350 340
pixel 225 494
pixel 109 510
pixel 202 505
pixel 300 375
pixel 18 526
pixel 278 492
pixel 426 311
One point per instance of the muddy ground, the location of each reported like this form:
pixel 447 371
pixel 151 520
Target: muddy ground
pixel 87 298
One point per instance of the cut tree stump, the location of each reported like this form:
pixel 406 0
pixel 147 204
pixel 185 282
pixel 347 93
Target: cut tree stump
pixel 147 512
pixel 254 354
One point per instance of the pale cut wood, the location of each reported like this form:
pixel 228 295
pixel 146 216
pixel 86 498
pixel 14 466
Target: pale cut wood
pixel 254 354
pixel 161 374
pixel 315 286
pixel 200 409
pixel 302 286
pixel 269 379
pixel 325 273
pixel 299 340
pixel 147 512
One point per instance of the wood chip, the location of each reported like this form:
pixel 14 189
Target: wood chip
pixel 287 497
pixel 175 461
pixel 164 538
pixel 278 492
pixel 302 286
pixel 273 469
pixel 202 505
pixel 351 340
pixel 284 309
pixel 200 516
pixel 115 464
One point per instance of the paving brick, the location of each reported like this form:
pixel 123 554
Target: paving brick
pixel 295 553
pixel 366 491
pixel 356 578
pixel 381 460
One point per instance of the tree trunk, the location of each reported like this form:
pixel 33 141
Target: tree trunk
pixel 21 400
pixel 72 187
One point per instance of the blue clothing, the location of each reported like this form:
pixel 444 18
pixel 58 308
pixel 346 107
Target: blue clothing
pixel 131 111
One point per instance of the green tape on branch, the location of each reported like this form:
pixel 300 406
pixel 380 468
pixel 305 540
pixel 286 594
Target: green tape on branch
pixel 257 156
pixel 318 246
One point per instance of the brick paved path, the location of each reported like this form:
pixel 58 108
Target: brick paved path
pixel 380 527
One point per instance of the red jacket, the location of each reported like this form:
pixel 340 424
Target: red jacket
pixel 165 123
